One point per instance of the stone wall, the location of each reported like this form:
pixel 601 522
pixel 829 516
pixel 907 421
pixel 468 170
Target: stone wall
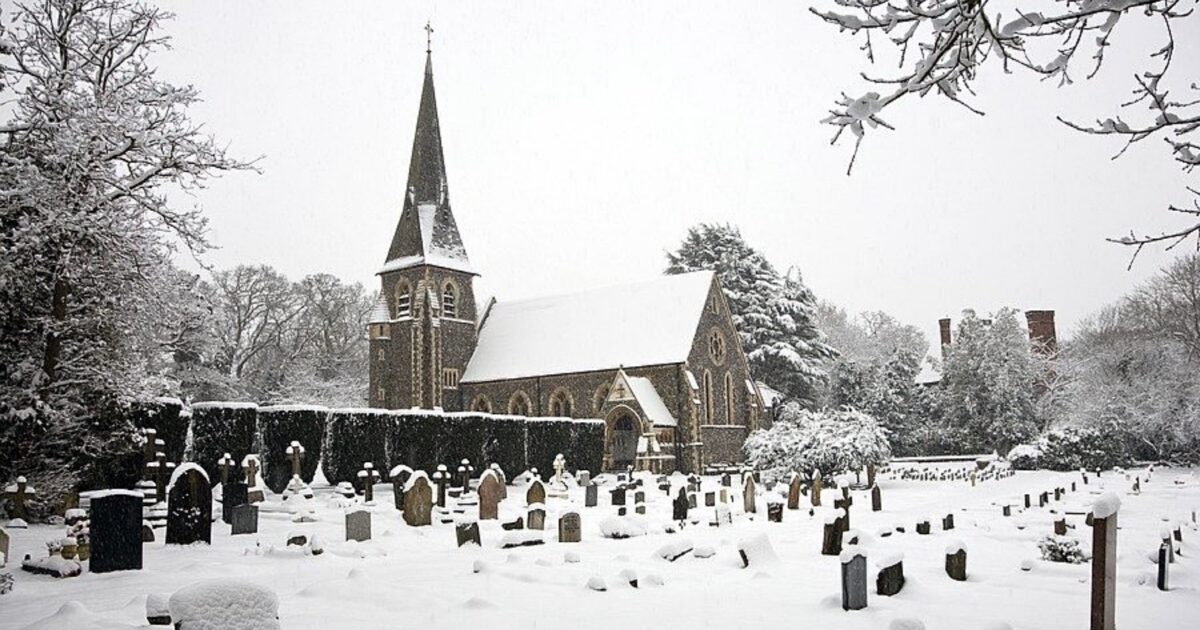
pixel 723 443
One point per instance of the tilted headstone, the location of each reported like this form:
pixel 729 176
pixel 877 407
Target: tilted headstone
pixel 418 501
pixel 570 529
pixel 358 525
pixel 245 519
pixel 749 502
pixel 116 531
pixel 794 487
pixel 956 562
pixel 536 493
pixel 591 495
pixel 189 507
pixel 489 496
pixel 233 494
pixel 679 511
pixel 816 489
pixel 854 580
pixel 890 579
pixel 466 533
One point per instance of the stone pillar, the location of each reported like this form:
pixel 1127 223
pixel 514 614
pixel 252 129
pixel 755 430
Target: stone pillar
pixel 1104 572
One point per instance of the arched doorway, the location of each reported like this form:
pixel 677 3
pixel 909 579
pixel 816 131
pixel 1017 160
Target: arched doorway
pixel 623 439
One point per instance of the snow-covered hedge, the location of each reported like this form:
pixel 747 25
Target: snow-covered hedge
pixel 506 439
pixel 355 436
pixel 413 440
pixel 219 428
pixel 1075 447
pixel 587 445
pixel 547 438
pixel 166 417
pixel 280 426
pixel 462 436
pixel 828 440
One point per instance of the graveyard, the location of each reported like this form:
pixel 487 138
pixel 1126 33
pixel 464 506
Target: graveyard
pixel 619 550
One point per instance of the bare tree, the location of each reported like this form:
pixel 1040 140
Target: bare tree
pixel 943 44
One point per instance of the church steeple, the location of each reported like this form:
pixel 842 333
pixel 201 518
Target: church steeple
pixel 427 232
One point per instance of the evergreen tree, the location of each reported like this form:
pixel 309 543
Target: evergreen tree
pixel 775 315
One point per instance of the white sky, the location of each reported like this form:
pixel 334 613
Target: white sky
pixel 582 139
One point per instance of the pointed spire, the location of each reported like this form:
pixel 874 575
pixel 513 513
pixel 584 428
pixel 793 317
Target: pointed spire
pixel 427 168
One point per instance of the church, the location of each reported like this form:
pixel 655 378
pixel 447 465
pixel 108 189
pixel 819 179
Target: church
pixel 659 361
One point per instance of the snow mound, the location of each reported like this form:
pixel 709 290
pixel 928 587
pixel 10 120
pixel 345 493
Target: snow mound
pixel 850 553
pixel 906 624
pixel 1106 505
pixel 757 550
pixel 596 583
pixel 997 625
pixel 704 552
pixel 618 527
pixel 73 615
pixel 225 604
pixel 955 546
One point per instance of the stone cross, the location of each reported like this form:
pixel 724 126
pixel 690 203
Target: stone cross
pixel 368 476
pixel 1104 572
pixel 560 463
pixel 854 581
pixel 17 494
pixel 441 478
pixel 465 469
pixel 225 463
pixel 250 464
pixel 295 452
pixel 149 449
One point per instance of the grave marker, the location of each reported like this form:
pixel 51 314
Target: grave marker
pixel 591 495
pixel 831 537
pixel 116 531
pixel 418 501
pixel 569 528
pixel 189 507
pixel 617 495
pixel 367 477
pixel 536 519
pixel 441 478
pixel 399 476
pixel 17 494
pixel 536 493
pixel 233 494
pixel 4 541
pixel 876 499
pixel 816 488
pixel 358 525
pixel 1164 566
pixel 467 533
pixel 1104 562
pixel 890 579
pixel 854 580
pixel 680 505
pixel 794 493
pixel 245 520
pixel 710 498
pixel 489 496
pixel 956 562
pixel 749 504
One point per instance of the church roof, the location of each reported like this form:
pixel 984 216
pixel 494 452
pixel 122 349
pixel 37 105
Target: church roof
pixel 647 323
pixel 380 314
pixel 427 233
pixel 651 403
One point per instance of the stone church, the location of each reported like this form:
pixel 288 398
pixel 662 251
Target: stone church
pixel 659 361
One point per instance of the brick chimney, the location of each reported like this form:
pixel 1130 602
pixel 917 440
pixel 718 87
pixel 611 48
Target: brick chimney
pixel 1041 330
pixel 944 327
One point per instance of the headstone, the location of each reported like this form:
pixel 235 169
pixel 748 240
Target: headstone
pixel 536 493
pixel 489 496
pixel 724 517
pixel 250 465
pixel 724 495
pixel 226 463
pixel 1164 566
pixel 189 508
pixel 569 528
pixel 116 532
pixel 775 512
pixel 4 541
pixel 956 563
pixel 517 523
pixel 844 506
pixel 794 486
pixel 948 522
pixel 233 494
pixel 854 581
pixel 726 480
pixel 617 495
pixel 749 502
pixel 418 501
pixel 295 453
pixel 923 528
pixel 1060 527
pixel 467 533
pixel 816 489
pixel 465 470
pixel 1166 538
pixel 17 494
pixel 367 477
pixel 831 537
pixel 358 525
pixel 584 478
pixel 1104 572
pixel 1006 510
pixel 710 498
pixel 399 476
pixel 890 579
pixel 245 519
pixel 639 497
pixel 441 478
pixel 536 518
pixel 1027 502
pixel 680 505
pixel 591 495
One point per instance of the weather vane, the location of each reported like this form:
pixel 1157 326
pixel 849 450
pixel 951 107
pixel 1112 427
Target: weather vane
pixel 428 37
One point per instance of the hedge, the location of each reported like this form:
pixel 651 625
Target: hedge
pixel 413 440
pixel 547 438
pixel 355 436
pixel 219 428
pixel 282 425
pixel 505 445
pixel 587 446
pixel 166 417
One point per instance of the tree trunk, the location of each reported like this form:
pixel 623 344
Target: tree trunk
pixel 53 350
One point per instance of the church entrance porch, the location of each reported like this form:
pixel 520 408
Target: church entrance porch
pixel 623 437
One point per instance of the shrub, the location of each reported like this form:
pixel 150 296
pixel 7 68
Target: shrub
pixel 505 444
pixel 1024 457
pixel 1075 447
pixel 1062 549
pixel 355 436
pixel 547 437
pixel 282 425
pixel 828 440
pixel 412 440
pixel 587 445
pixel 219 428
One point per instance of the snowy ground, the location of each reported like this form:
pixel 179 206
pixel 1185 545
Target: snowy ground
pixel 417 578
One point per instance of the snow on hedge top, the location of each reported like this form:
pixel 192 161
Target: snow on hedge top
pixel 646 323
pixel 284 408
pixel 224 404
pixel 1106 505
pixel 225 604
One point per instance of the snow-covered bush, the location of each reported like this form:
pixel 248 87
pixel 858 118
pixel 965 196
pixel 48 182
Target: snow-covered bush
pixel 547 438
pixel 505 445
pixel 355 436
pixel 829 440
pixel 1024 457
pixel 1062 549
pixel 587 445
pixel 413 440
pixel 282 425
pixel 1075 447
pixel 219 428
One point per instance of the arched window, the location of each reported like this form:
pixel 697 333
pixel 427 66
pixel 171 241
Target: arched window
pixel 729 401
pixel 403 299
pixel 560 403
pixel 449 300
pixel 482 404
pixel 708 398
pixel 599 398
pixel 519 405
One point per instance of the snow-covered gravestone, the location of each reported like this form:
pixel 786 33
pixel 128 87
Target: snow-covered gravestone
pixel 569 528
pixel 891 577
pixel 591 495
pixel 1104 561
pixel 831 535
pixel 956 561
pixel 756 550
pixel 233 494
pixel 441 478
pixel 854 579
pixel 367 477
pixel 1164 566
pixel 116 531
pixel 536 493
pixel 358 525
pixel 226 462
pixel 749 502
pixel 793 501
pixel 189 506
pixel 679 507
pixel 489 496
pixel 399 476
pixel 295 453
pixel 467 532
pixel 17 493
pixel 537 517
pixel 224 603
pixel 816 488
pixel 255 493
pixel 465 470
pixel 418 500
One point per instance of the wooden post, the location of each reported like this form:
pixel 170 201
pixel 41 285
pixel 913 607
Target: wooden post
pixel 1104 572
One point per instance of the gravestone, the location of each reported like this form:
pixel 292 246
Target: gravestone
pixel 816 489
pixel 724 517
pixel 1166 538
pixel 399 476
pixel 226 463
pixel 17 494
pixel 1006 510
pixel 948 522
pixel 116 531
pixel 680 506
pixel 1104 572
pixel 726 480
pixel 876 499
pixel 418 501
pixel 489 496
pixel 569 528
pixel 358 525
pixel 255 493
pixel 775 512
pixel 441 478
pixel 467 533
pixel 245 519
pixel 1027 502
pixel 890 579
pixel 639 497
pixel 956 563
pixel 536 493
pixel 844 506
pixel 923 528
pixel 4 541
pixel 465 470
pixel 189 508
pixel 536 519
pixel 749 504
pixel 692 501
pixel 584 478
pixel 1060 527
pixel 617 495
pixel 710 498
pixel 831 537
pixel 233 494
pixel 367 477
pixel 794 485
pixel 1164 566
pixel 591 495
pixel 854 581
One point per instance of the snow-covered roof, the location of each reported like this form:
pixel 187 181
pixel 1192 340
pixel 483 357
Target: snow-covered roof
pixel 441 248
pixel 647 323
pixel 928 374
pixel 651 403
pixel 380 314
pixel 770 395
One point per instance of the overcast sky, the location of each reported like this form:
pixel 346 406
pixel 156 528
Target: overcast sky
pixel 582 139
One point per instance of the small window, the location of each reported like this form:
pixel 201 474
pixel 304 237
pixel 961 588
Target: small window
pixel 381 393
pixel 380 355
pixel 403 299
pixel 450 300
pixel 560 404
pixel 708 397
pixel 729 398
pixel 519 405
pixel 715 302
pixel 450 378
pixel 482 404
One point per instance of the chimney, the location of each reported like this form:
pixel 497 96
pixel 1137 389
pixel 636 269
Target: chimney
pixel 1041 330
pixel 944 327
